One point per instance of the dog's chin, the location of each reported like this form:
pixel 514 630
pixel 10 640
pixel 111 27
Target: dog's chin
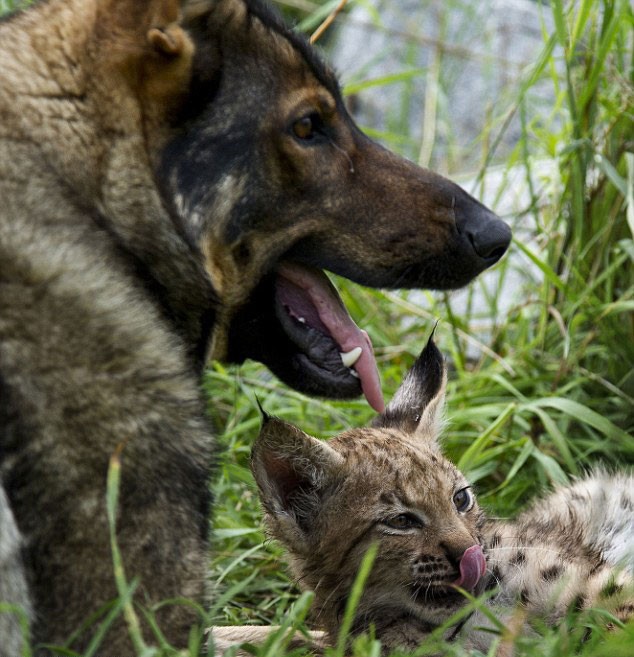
pixel 314 364
pixel 281 328
pixel 313 375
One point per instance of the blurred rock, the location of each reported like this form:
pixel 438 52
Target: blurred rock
pixel 467 60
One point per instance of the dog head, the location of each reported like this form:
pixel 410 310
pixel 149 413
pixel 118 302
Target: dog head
pixel 269 181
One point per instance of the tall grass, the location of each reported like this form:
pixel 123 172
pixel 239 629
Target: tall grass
pixel 541 385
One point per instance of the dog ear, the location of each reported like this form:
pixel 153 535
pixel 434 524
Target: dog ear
pixel 146 41
pixel 165 34
pixel 167 68
pixel 292 470
pixel 417 405
pixel 133 25
pixel 169 40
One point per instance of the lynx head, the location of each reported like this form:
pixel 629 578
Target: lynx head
pixel 389 484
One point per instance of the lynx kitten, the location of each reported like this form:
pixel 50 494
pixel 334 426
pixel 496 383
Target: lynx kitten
pixel 327 502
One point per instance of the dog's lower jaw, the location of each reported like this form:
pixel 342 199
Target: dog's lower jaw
pixel 317 321
pixel 308 353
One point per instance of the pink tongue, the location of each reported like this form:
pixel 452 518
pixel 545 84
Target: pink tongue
pixel 322 299
pixel 472 566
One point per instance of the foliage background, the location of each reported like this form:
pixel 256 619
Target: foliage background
pixel 541 376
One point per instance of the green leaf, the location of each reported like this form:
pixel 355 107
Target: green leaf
pixel 581 413
pixel 220 534
pixel 545 268
pixel 552 469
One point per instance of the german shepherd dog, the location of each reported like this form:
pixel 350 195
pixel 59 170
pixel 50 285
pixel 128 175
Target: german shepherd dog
pixel 174 176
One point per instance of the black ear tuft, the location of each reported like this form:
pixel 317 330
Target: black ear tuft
pixel 265 416
pixel 423 384
pixel 429 370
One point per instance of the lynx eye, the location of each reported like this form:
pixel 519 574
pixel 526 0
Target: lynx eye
pixel 463 500
pixel 403 521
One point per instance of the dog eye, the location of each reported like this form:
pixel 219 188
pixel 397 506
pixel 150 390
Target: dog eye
pixel 403 521
pixel 307 127
pixel 463 500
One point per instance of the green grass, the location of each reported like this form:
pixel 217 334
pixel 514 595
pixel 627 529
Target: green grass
pixel 543 392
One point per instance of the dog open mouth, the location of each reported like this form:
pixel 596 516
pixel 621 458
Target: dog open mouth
pixel 297 325
pixel 316 320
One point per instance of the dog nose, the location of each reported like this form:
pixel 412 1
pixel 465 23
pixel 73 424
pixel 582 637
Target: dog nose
pixel 489 236
pixel 490 239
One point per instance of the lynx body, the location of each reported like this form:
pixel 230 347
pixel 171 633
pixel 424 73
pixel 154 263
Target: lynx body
pixel 390 485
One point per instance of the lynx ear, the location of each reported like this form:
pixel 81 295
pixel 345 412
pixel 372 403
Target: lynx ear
pixel 417 406
pixel 291 469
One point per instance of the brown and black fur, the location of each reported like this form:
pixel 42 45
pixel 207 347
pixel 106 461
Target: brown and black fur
pixel 152 177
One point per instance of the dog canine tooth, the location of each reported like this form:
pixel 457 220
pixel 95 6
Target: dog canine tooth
pixel 349 358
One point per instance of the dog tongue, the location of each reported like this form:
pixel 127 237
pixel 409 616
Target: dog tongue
pixel 317 301
pixel 472 566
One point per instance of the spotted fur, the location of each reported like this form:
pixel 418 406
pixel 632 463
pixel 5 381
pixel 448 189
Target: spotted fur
pixel 573 549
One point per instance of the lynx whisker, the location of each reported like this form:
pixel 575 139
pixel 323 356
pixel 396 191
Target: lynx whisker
pixel 523 548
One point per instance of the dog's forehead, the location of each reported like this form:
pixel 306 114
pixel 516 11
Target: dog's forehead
pixel 272 21
pixel 257 21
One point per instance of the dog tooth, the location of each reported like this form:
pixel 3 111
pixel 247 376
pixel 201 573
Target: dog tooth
pixel 349 358
pixel 301 320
